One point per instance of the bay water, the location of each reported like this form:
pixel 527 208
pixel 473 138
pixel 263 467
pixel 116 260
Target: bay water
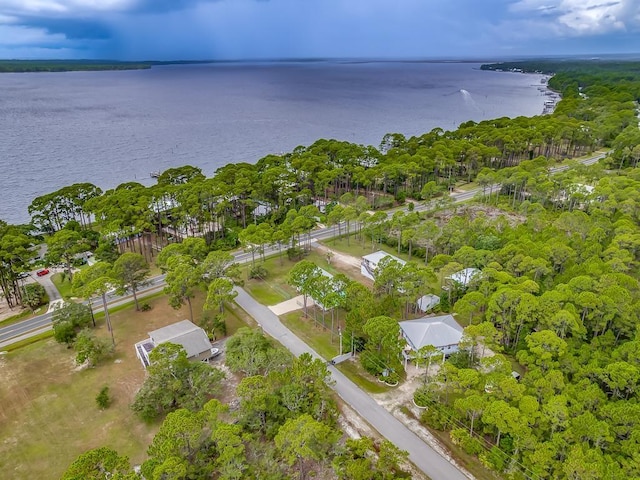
pixel 111 127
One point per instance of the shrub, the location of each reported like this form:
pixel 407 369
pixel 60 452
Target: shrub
pixel 494 459
pixel 372 362
pixel 437 417
pixel 103 400
pixel 33 295
pixel 259 272
pixel 460 359
pixel 423 396
pixel 295 253
pixel 90 348
pixel 471 445
pixel 145 307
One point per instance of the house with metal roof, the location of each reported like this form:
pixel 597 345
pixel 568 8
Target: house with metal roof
pixel 189 336
pixel 370 263
pixel 443 332
pixel 428 302
pixel 464 277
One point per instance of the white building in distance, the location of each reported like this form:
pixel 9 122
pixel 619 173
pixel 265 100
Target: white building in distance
pixel 464 277
pixel 370 263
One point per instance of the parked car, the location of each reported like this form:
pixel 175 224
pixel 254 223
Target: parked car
pixel 23 275
pixel 43 272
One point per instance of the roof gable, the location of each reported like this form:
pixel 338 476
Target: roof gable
pixel 375 257
pixel 169 332
pixel 186 334
pixel 437 331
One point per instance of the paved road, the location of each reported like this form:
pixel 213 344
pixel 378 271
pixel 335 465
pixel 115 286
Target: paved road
pixel 37 323
pixel 42 322
pixel 420 454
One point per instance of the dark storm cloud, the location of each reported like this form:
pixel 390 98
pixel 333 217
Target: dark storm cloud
pixel 232 29
pixel 71 28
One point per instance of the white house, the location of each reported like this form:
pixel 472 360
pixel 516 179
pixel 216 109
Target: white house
pixel 443 332
pixel 464 277
pixel 370 263
pixel 329 276
pixel 427 302
pixel 185 333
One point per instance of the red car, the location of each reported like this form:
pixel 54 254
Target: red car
pixel 43 272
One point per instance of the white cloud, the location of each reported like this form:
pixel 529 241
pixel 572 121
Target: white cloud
pixel 67 7
pixel 581 17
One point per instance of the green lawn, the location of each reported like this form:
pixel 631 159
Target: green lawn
pixel 63 285
pixel 355 248
pixel 275 287
pixel 466 186
pixel 312 334
pixel 49 416
pixel 319 339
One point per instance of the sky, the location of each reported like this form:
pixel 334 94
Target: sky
pixel 268 29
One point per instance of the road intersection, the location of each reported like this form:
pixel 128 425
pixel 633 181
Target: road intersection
pixel 421 454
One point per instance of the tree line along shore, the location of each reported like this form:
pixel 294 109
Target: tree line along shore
pixel 33 66
pixel 558 296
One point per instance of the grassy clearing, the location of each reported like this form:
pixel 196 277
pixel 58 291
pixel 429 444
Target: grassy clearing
pixel 570 161
pixel 354 372
pixel 312 334
pixel 319 339
pixel 466 186
pixel 49 415
pixel 275 287
pixel 63 285
pixel 355 248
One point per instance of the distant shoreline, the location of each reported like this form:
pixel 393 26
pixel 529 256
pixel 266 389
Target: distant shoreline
pixel 86 65
pixel 59 66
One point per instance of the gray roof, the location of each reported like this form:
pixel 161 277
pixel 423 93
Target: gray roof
pixel 185 333
pixel 375 257
pixel 437 331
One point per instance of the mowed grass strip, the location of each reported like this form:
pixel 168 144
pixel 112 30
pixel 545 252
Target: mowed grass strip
pixel 356 248
pixel 62 283
pixel 48 413
pixel 275 288
pixel 319 339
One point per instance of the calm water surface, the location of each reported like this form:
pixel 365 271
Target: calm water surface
pixel 57 129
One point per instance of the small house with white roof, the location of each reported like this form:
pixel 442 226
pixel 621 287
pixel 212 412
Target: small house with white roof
pixel 370 263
